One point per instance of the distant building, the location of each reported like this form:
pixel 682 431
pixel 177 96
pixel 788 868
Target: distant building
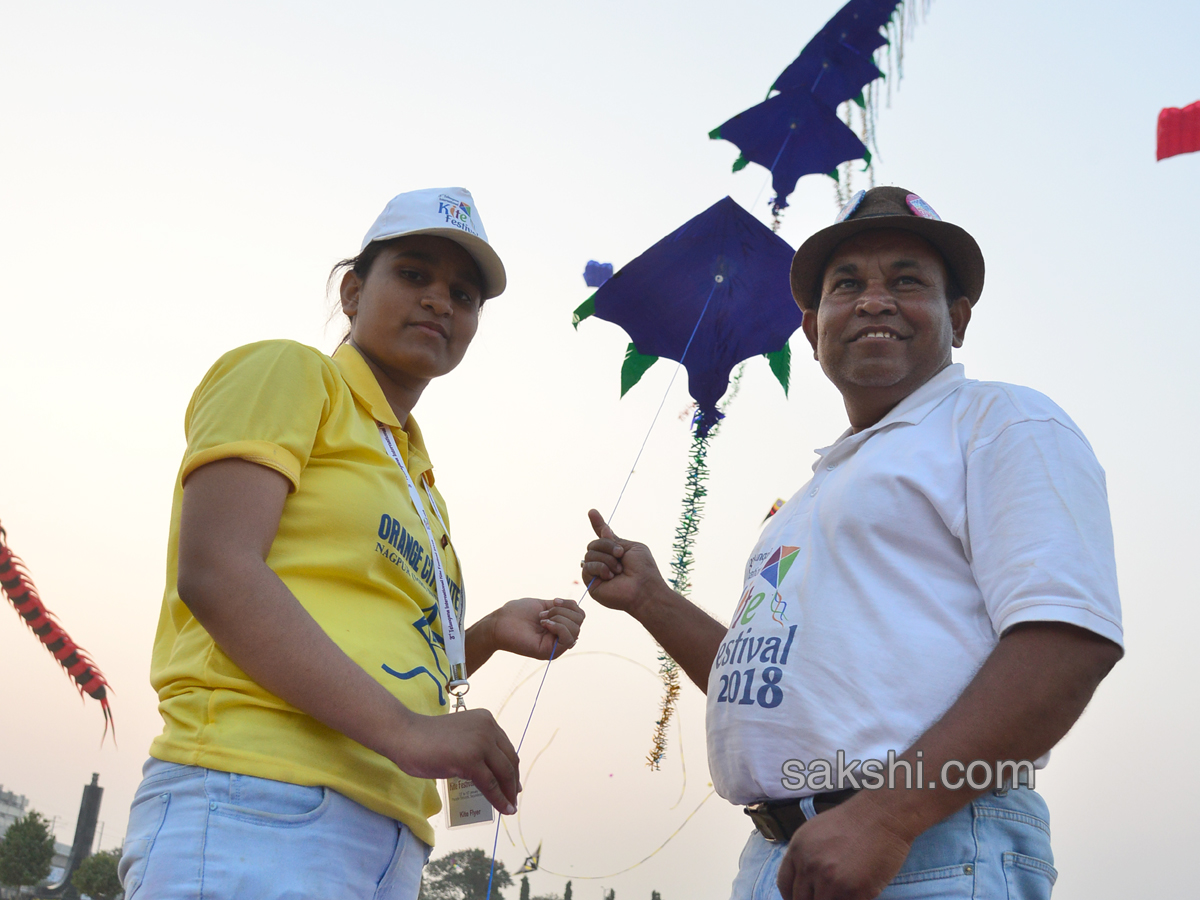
pixel 12 807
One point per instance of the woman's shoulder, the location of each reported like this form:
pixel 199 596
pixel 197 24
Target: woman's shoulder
pixel 265 402
pixel 270 371
pixel 279 351
pixel 275 360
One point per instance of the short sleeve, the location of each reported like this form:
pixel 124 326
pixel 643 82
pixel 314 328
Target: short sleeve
pixel 263 403
pixel 1038 530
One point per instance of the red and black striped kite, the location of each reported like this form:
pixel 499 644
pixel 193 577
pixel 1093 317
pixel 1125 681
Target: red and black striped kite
pixel 18 587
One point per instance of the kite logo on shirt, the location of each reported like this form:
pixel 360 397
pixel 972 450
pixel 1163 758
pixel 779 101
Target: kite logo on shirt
pixel 424 625
pixel 777 566
pixel 456 212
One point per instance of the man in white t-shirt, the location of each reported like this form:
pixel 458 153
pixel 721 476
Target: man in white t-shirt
pixel 923 620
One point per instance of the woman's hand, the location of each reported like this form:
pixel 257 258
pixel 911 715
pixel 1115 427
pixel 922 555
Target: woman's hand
pixel 467 744
pixel 527 627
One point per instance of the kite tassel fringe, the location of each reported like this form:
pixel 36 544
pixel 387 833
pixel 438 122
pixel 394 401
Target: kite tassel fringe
pixel 18 587
pixel 899 29
pixel 695 491
pixel 681 566
pixel 669 670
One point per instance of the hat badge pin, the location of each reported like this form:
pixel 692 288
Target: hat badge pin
pixel 850 207
pixel 920 208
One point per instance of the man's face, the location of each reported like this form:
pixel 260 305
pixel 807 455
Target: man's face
pixel 884 326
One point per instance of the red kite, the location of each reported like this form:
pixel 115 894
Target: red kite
pixel 1179 130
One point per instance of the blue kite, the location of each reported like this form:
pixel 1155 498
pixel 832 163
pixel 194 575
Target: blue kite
pixel 797 131
pixel 711 294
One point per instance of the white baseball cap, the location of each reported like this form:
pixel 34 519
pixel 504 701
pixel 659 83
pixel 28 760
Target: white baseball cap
pixel 445 212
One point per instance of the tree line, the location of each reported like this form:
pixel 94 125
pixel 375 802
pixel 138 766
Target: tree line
pixel 463 875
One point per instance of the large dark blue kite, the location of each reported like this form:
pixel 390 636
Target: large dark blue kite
pixel 797 132
pixel 710 294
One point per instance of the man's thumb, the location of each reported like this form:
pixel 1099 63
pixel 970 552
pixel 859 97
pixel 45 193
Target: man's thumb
pixel 600 526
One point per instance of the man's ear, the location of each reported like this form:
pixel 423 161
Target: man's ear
pixel 809 324
pixel 960 317
pixel 351 285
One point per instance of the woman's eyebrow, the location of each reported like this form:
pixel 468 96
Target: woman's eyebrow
pixel 419 255
pixel 464 274
pixel 472 279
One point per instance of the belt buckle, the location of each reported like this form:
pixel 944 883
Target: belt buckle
pixel 767 822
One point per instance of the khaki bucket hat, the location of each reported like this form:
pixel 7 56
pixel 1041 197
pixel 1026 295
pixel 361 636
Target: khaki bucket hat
pixel 887 207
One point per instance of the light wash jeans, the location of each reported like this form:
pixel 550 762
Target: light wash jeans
pixel 995 848
pixel 200 834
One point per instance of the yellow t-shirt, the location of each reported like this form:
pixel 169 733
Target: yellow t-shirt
pixel 351 548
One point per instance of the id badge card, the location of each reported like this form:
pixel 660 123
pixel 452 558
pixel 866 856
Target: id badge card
pixel 465 803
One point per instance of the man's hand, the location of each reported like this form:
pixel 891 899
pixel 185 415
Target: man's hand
pixel 622 575
pixel 850 852
pixel 619 574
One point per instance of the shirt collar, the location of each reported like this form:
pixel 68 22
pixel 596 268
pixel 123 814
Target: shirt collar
pixel 361 379
pixel 363 384
pixel 913 408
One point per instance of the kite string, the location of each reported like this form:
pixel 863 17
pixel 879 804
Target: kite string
pixel 554 650
pixel 717 280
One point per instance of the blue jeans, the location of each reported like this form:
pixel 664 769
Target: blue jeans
pixel 995 848
pixel 200 834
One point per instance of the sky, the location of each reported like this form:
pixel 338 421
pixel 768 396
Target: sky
pixel 178 179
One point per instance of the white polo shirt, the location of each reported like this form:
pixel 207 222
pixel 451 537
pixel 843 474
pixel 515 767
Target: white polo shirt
pixel 876 593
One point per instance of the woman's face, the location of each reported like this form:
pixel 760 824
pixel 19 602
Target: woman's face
pixel 418 308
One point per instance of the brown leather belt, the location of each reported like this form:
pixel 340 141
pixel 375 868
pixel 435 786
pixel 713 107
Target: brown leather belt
pixel 777 820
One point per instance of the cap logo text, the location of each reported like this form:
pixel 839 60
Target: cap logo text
pixel 457 213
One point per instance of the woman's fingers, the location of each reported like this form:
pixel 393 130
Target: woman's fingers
pixel 566 640
pixel 565 630
pixel 466 744
pixel 496 771
pixel 566 613
pixel 506 765
pixel 497 782
pixel 563 619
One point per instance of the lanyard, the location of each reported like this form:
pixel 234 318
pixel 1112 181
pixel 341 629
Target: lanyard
pixel 452 632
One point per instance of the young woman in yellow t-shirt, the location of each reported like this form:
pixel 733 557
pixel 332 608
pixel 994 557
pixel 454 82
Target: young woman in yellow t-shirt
pixel 300 660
